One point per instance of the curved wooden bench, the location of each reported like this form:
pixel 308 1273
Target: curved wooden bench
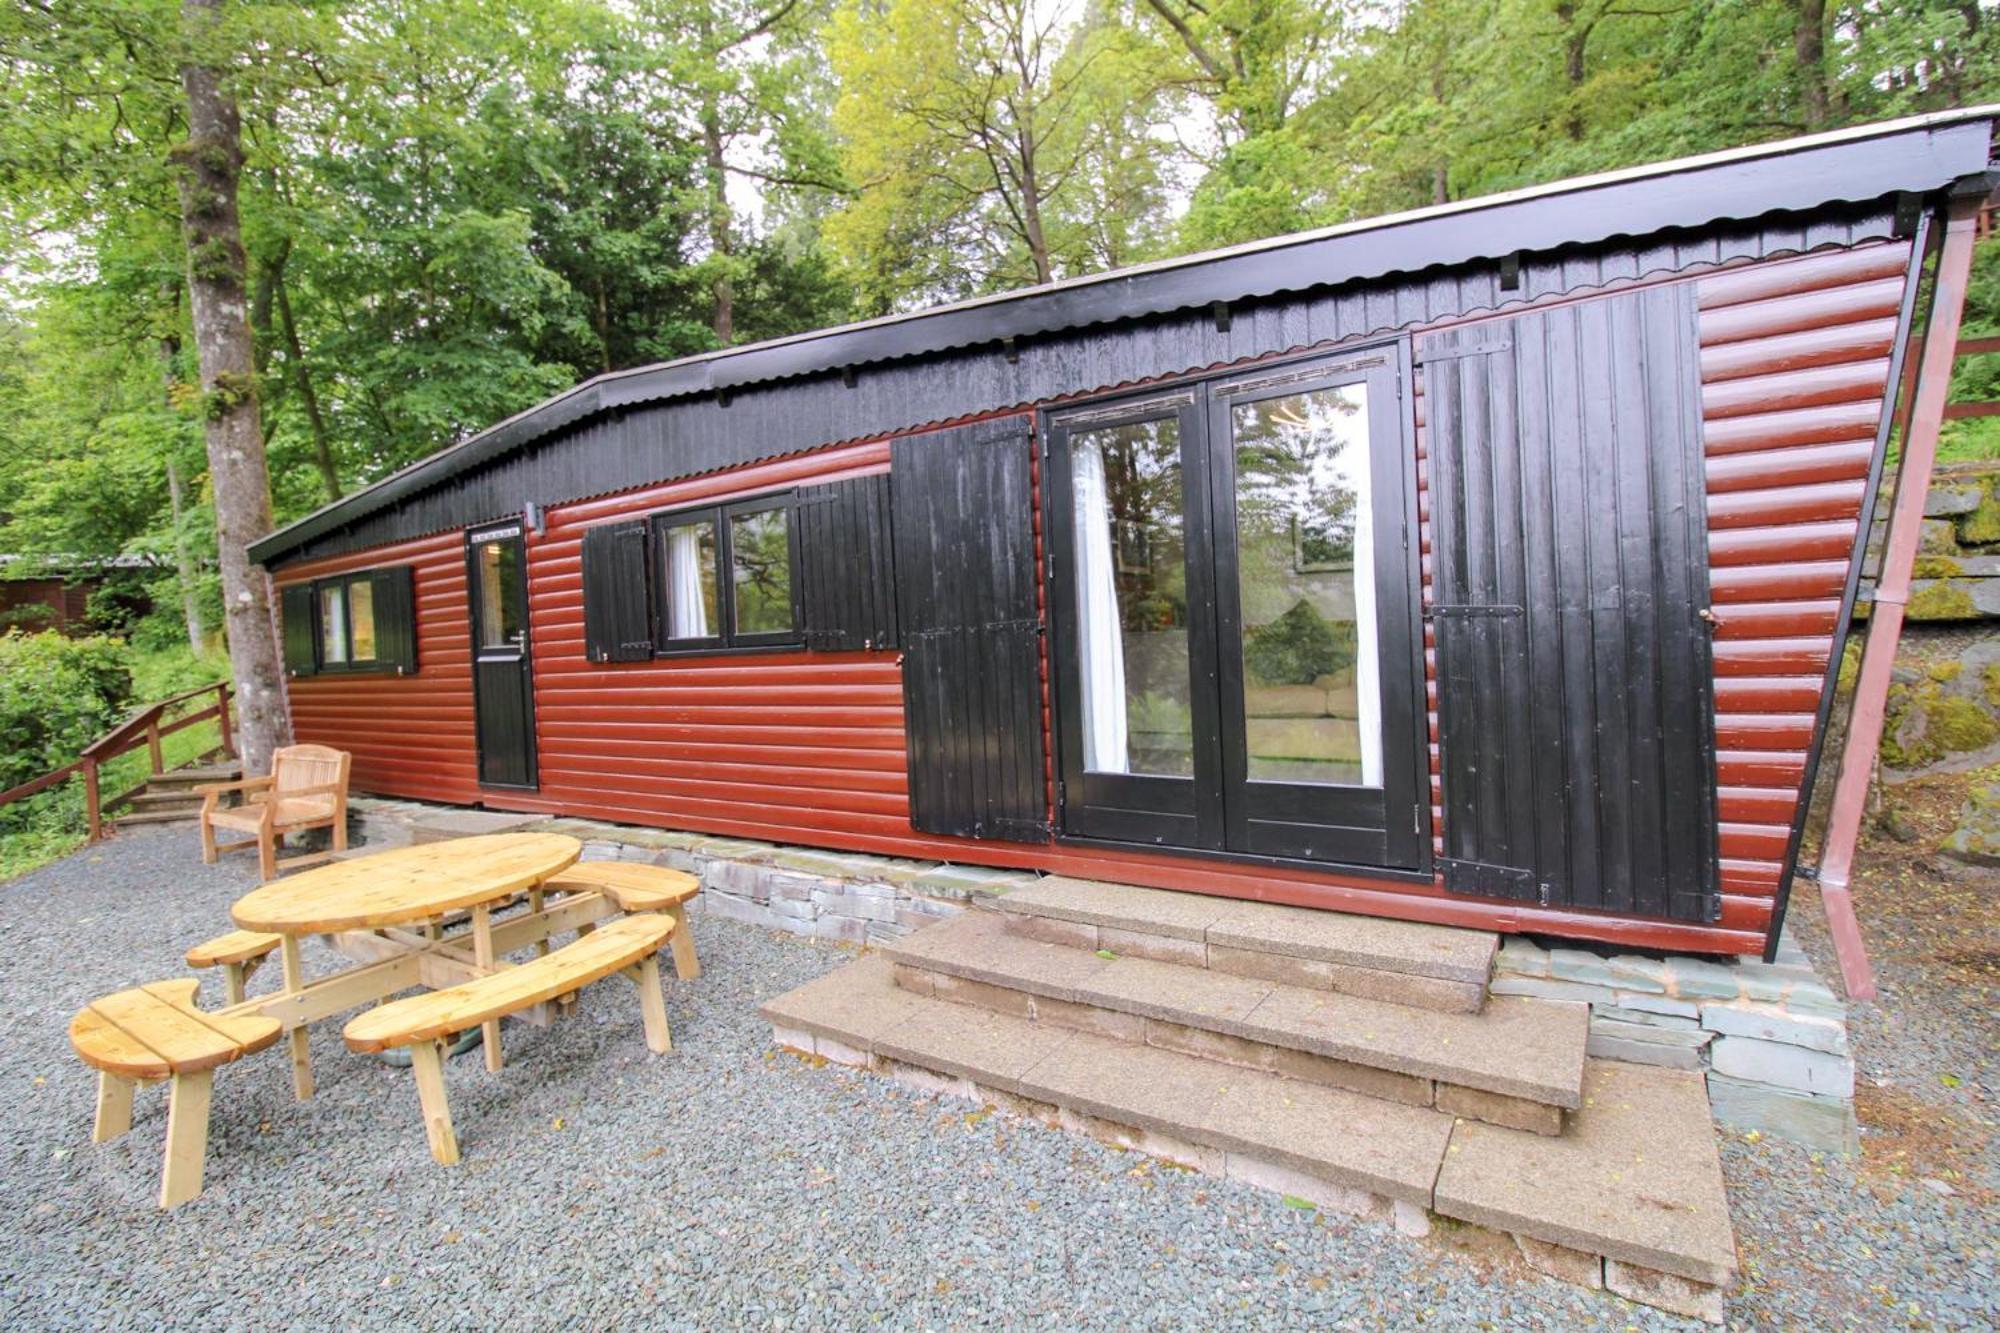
pixel 239 954
pixel 425 1023
pixel 640 888
pixel 154 1032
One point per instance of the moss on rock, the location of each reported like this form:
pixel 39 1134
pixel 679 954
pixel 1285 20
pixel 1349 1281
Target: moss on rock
pixel 1983 523
pixel 1944 600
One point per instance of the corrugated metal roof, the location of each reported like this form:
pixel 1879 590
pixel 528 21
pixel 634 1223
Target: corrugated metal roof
pixel 1917 155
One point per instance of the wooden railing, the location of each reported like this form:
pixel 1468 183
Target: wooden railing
pixel 147 727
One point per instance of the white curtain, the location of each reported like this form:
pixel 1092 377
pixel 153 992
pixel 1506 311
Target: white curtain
pixel 1106 747
pixel 687 611
pixel 1367 664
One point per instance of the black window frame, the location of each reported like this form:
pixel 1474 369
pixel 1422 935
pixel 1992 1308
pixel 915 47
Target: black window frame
pixel 726 639
pixel 351 665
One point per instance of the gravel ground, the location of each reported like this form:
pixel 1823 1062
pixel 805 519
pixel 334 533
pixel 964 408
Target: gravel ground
pixel 727 1185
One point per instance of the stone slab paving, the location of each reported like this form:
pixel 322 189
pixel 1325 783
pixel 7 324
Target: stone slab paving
pixel 1635 1177
pixel 1439 952
pixel 1343 1137
pixel 1532 1049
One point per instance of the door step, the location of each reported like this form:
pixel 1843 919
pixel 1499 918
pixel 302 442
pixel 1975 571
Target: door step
pixel 1519 1062
pixel 1632 1193
pixel 1428 967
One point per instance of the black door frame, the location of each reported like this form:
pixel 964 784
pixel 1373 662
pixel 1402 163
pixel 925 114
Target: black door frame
pixel 1109 810
pixel 1137 808
pixel 1356 825
pixel 475 537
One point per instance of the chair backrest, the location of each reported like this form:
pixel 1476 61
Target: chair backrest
pixel 299 766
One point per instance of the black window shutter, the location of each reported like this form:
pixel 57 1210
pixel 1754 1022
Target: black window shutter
pixel 1575 699
pixel 296 608
pixel 395 603
pixel 617 614
pixel 965 599
pixel 847 584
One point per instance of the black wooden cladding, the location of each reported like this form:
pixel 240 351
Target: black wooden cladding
pixel 1575 704
pixel 636 444
pixel 965 582
pixel 301 630
pixel 617 613
pixel 395 602
pixel 847 576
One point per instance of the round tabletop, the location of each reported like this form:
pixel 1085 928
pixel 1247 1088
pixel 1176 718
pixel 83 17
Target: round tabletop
pixel 406 884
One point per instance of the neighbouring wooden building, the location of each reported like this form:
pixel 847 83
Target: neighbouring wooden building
pixel 1485 565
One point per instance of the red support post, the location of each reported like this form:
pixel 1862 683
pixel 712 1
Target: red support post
pixel 1892 591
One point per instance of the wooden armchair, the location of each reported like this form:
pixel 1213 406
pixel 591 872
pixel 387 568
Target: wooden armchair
pixel 307 789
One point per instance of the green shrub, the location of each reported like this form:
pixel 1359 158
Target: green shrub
pixel 56 696
pixel 1297 648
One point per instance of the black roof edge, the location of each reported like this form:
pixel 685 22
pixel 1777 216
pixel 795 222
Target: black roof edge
pixel 1917 155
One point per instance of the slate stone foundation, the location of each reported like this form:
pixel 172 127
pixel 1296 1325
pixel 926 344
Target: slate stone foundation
pixel 1770 1037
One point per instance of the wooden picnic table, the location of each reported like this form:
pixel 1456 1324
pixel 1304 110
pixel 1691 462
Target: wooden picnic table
pixel 360 904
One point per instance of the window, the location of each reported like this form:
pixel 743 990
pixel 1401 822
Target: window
pixel 725 577
pixel 351 622
pixel 499 566
pixel 688 604
pixel 760 572
pixel 346 622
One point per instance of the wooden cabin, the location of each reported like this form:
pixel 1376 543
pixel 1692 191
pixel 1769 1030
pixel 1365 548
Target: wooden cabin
pixel 1486 565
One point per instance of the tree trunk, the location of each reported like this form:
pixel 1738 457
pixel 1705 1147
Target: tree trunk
pixel 1809 49
pixel 210 166
pixel 1576 42
pixel 724 287
pixel 329 475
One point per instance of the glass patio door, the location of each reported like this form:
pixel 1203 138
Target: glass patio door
pixel 1318 665
pixel 1232 592
pixel 1134 603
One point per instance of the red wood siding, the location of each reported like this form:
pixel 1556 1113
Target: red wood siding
pixel 410 735
pixel 1795 374
pixel 809 747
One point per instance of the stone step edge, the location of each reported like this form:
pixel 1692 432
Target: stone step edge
pixel 1221 939
pixel 1529 1104
pixel 1207 1043
pixel 821 1040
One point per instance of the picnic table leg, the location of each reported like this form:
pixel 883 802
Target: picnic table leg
pixel 482 953
pixel 535 896
pixel 686 966
pixel 114 1106
pixel 187 1137
pixel 427 1062
pixel 653 1006
pixel 301 1042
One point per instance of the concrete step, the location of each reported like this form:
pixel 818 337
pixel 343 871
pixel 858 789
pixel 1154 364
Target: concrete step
pixel 1404 962
pixel 140 817
pixel 1632 1194
pixel 172 799
pixel 1518 1063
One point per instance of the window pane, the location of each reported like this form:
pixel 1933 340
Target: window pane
pixel 760 557
pixel 500 594
pixel 1131 594
pixel 333 624
pixel 691 581
pixel 361 615
pixel 1306 575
